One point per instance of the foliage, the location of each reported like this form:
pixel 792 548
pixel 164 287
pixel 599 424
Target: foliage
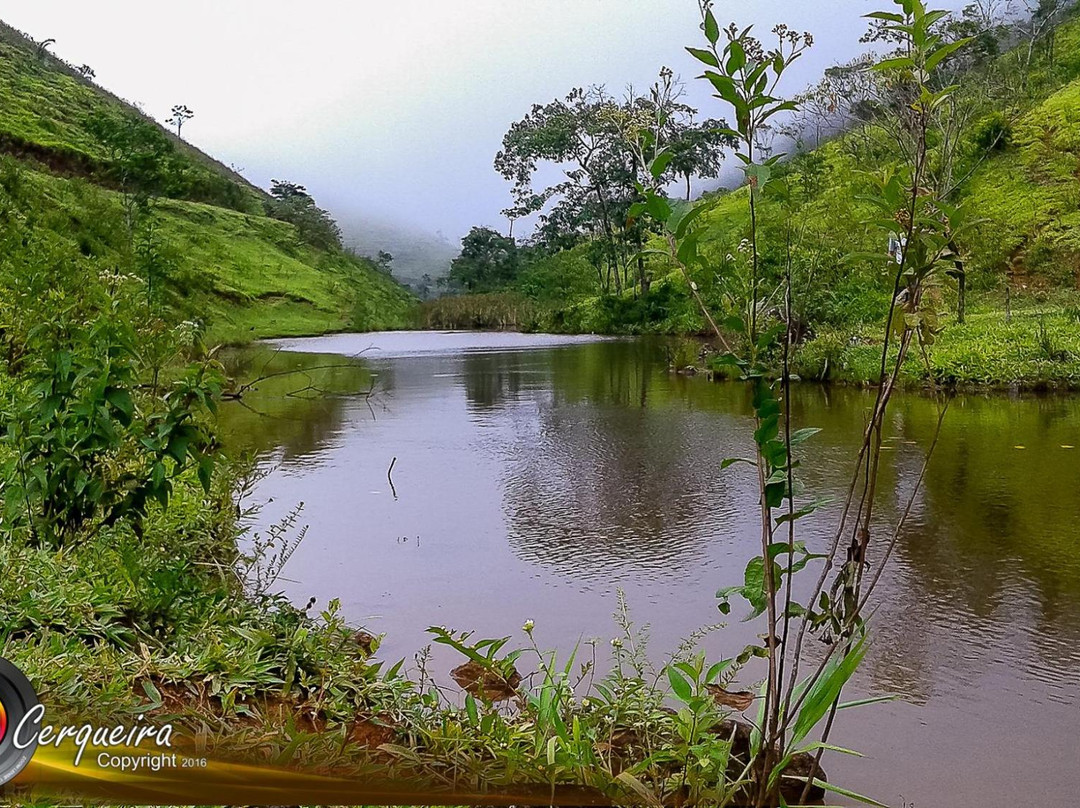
pixel 487 261
pixel 292 203
pixel 602 144
pixel 494 311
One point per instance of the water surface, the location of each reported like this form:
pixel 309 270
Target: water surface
pixel 534 477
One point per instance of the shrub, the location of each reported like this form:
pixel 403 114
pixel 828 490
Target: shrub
pixel 992 133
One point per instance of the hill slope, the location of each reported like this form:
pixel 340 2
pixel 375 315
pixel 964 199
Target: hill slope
pixel 205 232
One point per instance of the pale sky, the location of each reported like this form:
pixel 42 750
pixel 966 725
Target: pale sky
pixel 395 110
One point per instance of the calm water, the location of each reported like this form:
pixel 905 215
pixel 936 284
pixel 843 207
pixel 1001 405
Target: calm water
pixel 537 476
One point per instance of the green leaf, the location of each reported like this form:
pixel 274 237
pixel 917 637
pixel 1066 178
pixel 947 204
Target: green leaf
pixel 205 471
pixel 884 15
pixel 838 790
pixel 826 689
pixel 723 85
pixel 712 30
pixel 717 669
pixel 802 435
pixel 731 461
pixel 899 63
pixel 639 788
pixel 705 56
pixel 736 57
pixel 760 173
pixel 941 53
pixel 658 207
pixel 679 685
pixel 121 401
pixel 863 702
pixel 659 166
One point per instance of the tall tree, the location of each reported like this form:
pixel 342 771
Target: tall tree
pixel 488 260
pixel 180 115
pixel 292 203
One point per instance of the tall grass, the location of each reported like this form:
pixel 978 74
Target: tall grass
pixel 496 311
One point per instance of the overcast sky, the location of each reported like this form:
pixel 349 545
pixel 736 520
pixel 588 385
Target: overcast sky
pixel 396 109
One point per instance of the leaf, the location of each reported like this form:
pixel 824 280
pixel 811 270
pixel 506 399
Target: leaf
pixel 717 669
pixel 941 53
pixel 826 689
pixel 899 63
pixel 740 700
pixel 757 174
pixel 659 166
pixel 205 472
pixel 679 685
pixel 639 788
pixel 658 207
pixel 731 461
pixel 723 85
pixel 152 692
pixel 712 30
pixel 736 57
pixel 802 435
pixel 705 56
pixel 884 15
pixel 871 700
pixel 838 790
pixel 121 401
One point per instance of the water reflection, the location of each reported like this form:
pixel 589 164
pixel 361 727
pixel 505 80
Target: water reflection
pixel 533 483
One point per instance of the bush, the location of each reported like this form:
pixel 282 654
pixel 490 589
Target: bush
pixel 992 133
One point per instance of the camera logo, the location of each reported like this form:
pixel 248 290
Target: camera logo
pixel 17 698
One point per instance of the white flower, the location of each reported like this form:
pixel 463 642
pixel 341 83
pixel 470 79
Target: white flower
pixel 616 643
pixel 528 627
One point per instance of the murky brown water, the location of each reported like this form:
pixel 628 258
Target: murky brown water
pixel 536 476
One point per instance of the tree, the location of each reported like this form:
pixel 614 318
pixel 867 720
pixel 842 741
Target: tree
pixel 180 115
pixel 43 47
pixel 292 203
pixel 1045 16
pixel 698 151
pixel 578 134
pixel 488 260
pixel 603 146
pixel 139 159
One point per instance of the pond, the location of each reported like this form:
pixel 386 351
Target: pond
pixel 537 477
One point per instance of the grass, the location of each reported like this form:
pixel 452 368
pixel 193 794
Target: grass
pixel 1028 199
pixel 1038 348
pixel 245 276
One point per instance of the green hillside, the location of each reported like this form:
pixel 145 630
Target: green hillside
pixel 78 160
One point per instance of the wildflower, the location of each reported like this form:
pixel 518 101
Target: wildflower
pixel 616 643
pixel 528 627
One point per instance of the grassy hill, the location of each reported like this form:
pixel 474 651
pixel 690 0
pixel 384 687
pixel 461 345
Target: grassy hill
pixel 206 234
